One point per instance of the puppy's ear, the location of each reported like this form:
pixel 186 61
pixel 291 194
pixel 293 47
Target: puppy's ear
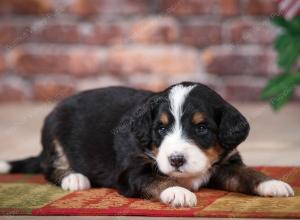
pixel 233 127
pixel 142 121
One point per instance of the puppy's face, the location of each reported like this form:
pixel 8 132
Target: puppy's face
pixel 186 131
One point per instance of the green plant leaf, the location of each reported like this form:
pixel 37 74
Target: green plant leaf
pixel 288 56
pixel 287 43
pixel 276 85
pixel 282 98
pixel 294 26
pixel 279 21
pixel 280 89
pixel 281 42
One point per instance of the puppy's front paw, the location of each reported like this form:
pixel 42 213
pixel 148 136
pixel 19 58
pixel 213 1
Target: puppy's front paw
pixel 178 197
pixel 75 182
pixel 274 188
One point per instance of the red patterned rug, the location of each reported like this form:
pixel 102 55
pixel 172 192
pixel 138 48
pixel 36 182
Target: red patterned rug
pixel 31 195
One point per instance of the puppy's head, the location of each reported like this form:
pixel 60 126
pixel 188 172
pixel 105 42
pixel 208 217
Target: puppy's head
pixel 188 128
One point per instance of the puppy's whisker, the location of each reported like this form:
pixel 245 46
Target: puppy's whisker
pixel 155 168
pixel 150 155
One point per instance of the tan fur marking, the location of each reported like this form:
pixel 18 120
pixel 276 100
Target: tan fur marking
pixel 59 174
pixel 164 118
pixel 154 190
pixel 213 153
pixel 61 162
pixel 198 118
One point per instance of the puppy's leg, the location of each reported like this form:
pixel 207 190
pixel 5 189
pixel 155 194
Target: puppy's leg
pixel 155 187
pixel 239 178
pixel 169 192
pixel 59 171
pixel 68 180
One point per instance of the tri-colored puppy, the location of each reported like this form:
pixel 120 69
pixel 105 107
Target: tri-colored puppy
pixel 161 146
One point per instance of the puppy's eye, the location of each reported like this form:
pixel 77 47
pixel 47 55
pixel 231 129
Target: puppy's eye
pixel 162 130
pixel 201 129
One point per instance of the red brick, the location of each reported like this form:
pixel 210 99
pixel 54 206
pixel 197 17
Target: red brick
pixel 100 33
pixel 109 7
pixel 13 90
pixel 245 31
pixel 200 35
pixel 229 7
pixel 104 33
pixel 26 7
pixel 13 34
pixel 187 7
pixel 59 33
pixel 86 8
pixel 161 60
pixel 2 63
pixel 52 89
pixel 240 61
pixel 241 89
pixel 154 30
pixel 261 7
pixel 48 60
pixel 8 33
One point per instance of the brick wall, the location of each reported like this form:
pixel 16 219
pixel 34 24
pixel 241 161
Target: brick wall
pixel 53 48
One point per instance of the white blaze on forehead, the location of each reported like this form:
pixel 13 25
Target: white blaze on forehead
pixel 177 98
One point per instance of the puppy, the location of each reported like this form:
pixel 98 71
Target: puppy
pixel 160 146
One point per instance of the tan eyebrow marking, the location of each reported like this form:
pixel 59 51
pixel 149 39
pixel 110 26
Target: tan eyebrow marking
pixel 164 118
pixel 198 118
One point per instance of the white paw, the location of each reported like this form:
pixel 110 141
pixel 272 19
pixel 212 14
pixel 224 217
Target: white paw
pixel 178 197
pixel 274 188
pixel 75 182
pixel 4 167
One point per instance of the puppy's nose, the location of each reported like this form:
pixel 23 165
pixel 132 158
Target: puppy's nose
pixel 176 160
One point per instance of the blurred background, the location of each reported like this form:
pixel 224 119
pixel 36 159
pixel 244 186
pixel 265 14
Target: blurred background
pixel 51 49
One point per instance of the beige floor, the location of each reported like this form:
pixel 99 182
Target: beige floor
pixel 274 138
